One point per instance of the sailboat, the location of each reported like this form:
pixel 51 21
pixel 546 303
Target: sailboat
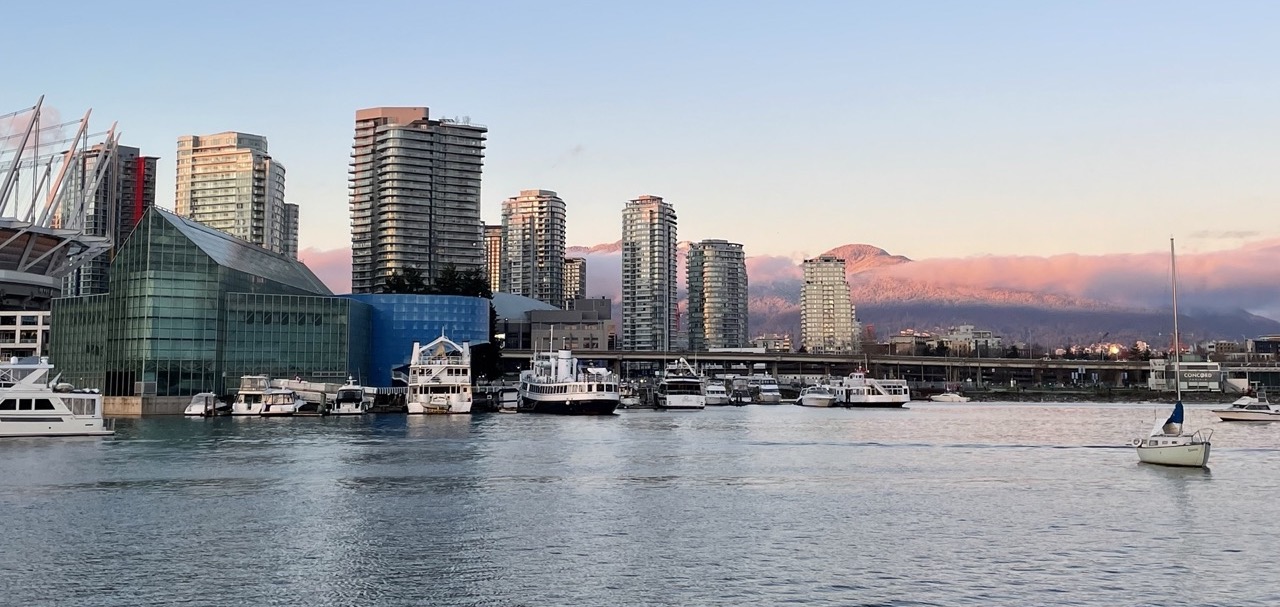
pixel 1169 444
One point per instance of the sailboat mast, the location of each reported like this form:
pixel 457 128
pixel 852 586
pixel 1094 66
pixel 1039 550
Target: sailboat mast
pixel 1177 347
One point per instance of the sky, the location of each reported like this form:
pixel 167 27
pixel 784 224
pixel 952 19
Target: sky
pixel 930 129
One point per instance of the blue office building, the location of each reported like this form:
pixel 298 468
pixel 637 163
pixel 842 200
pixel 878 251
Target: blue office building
pixel 398 320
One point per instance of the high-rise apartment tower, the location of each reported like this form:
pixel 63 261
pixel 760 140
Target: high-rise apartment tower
pixel 415 195
pixel 127 190
pixel 575 279
pixel 533 233
pixel 717 276
pixel 493 256
pixel 648 275
pixel 826 312
pixel 229 182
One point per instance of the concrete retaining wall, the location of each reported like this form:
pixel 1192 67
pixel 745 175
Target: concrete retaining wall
pixel 144 405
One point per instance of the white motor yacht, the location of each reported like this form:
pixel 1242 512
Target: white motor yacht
pixel 257 397
pixel 949 397
pixel 1250 408
pixel 351 399
pixel 715 393
pixel 680 388
pixel 816 396
pixel 30 406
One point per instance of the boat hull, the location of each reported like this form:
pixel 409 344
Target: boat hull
pixel 717 400
pixel 949 398
pixel 771 398
pixel 60 428
pixel 1227 415
pixel 816 401
pixel 1195 455
pixel 682 401
pixel 595 406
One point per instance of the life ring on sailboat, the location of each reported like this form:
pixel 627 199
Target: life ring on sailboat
pixel 1137 442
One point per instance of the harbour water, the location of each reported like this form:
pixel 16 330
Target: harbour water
pixel 941 504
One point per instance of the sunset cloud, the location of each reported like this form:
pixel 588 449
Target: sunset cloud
pixel 1242 278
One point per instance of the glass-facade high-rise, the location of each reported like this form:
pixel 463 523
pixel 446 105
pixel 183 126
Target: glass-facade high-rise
pixel 415 195
pixel 190 309
pixel 717 276
pixel 826 311
pixel 533 234
pixel 648 275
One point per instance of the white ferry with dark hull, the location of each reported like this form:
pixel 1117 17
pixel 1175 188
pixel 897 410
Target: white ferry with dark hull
pixel 557 384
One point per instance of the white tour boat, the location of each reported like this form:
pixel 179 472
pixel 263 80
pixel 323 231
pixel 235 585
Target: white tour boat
pixel 556 383
pixel 715 393
pixel 1250 408
pixel 30 406
pixel 949 397
pixel 817 396
pixel 206 404
pixel 440 378
pixel 1169 444
pixel 858 390
pixel 680 388
pixel 351 400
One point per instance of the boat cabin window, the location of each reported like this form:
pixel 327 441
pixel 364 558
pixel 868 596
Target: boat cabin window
pixel 8 404
pixel 43 404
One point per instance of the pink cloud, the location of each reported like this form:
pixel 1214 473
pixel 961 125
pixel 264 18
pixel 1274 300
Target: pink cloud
pixel 332 266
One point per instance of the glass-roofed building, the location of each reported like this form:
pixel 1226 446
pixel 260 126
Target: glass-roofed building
pixel 190 309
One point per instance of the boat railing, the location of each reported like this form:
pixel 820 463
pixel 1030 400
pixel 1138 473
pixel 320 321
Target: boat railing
pixel 1202 435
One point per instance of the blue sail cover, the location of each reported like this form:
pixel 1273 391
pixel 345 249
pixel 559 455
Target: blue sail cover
pixel 1173 425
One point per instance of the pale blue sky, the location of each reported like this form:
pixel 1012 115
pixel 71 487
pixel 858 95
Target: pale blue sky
pixel 931 129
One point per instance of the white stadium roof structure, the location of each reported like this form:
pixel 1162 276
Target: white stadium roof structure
pixel 45 185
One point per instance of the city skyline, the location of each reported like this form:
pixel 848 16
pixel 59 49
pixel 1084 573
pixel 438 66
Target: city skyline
pixel 942 131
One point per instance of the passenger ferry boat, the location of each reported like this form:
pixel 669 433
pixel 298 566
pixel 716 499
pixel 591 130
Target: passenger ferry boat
pixel 556 383
pixel 680 388
pixel 858 390
pixel 440 378
pixel 351 400
pixel 257 397
pixel 29 406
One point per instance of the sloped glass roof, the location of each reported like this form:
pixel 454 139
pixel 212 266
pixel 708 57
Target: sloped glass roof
pixel 231 252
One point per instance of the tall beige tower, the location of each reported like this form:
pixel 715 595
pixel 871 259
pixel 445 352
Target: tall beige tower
pixel 533 234
pixel 826 311
pixel 228 181
pixel 575 279
pixel 415 195
pixel 493 256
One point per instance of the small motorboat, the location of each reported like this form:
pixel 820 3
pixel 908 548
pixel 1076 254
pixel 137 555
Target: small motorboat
pixel 949 397
pixel 206 404
pixel 816 396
